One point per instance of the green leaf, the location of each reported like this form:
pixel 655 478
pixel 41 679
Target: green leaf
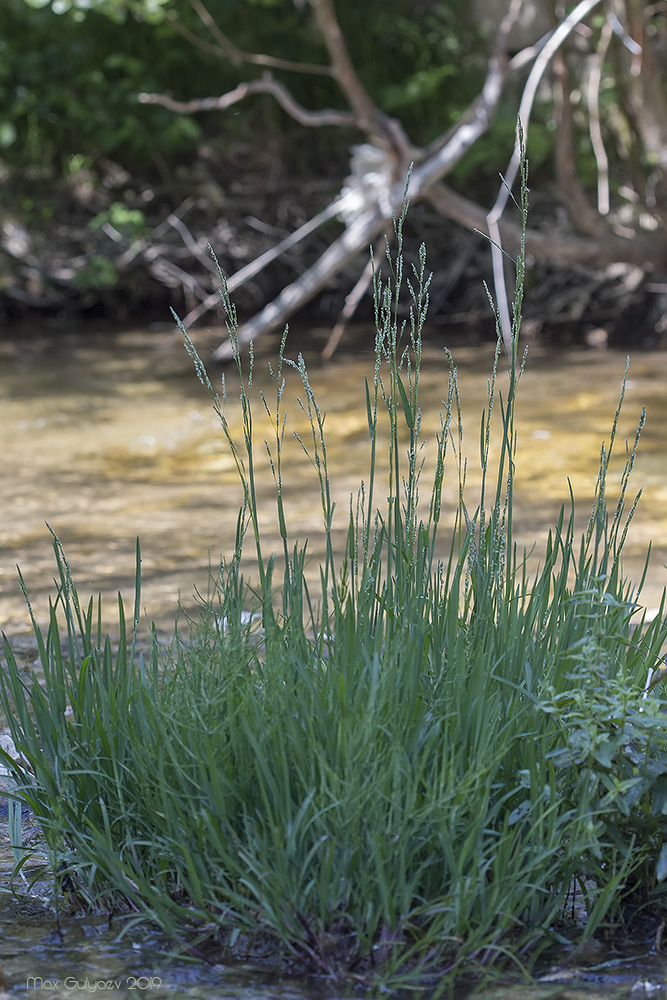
pixel 405 402
pixel 661 867
pixel 659 802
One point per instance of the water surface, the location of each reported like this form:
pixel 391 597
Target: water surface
pixel 105 437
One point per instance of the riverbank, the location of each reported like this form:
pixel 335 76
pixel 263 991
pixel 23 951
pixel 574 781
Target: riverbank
pixel 104 247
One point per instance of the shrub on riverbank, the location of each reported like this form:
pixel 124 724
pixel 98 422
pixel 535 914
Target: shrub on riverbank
pixel 407 773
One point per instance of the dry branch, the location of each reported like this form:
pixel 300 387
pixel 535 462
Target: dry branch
pixel 373 195
pixel 538 70
pixel 369 117
pixel 225 47
pixel 362 231
pixel 646 250
pixel 357 237
pixel 267 85
pixel 594 128
pixel 256 266
pixel 353 299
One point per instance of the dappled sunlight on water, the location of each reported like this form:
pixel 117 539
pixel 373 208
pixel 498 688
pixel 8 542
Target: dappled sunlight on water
pixel 105 441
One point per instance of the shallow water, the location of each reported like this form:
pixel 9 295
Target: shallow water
pixel 106 437
pixel 79 956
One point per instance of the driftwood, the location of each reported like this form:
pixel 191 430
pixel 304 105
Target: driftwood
pixel 367 206
pixel 372 195
pixel 593 234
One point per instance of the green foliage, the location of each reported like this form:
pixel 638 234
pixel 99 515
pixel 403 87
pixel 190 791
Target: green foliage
pixel 129 222
pixel 98 272
pixel 405 770
pixel 115 10
pixel 71 70
pixel 69 89
pixel 7 134
pixel 613 742
pixel 432 61
pixel 34 210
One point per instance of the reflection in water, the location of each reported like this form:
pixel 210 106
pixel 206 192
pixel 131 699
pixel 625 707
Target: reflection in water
pixel 81 956
pixel 101 441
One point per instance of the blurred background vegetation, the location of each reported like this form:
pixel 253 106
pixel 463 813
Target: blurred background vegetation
pixel 109 203
pixel 70 83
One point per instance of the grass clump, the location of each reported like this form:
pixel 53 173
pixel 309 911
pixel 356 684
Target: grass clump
pixel 408 771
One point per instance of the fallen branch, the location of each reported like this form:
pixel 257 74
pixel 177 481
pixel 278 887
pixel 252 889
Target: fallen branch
pixel 356 238
pixel 374 192
pixel 363 230
pixel 257 266
pixel 352 301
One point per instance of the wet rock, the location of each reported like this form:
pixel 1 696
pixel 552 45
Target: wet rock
pixel 20 908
